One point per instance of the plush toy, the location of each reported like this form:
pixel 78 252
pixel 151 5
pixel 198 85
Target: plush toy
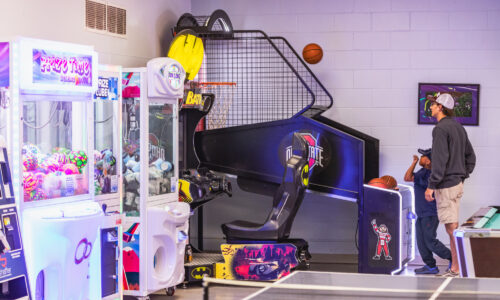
pixel 106 184
pixel 97 187
pixel 133 165
pixel 97 156
pixel 29 182
pixel 130 177
pixel 130 148
pixel 78 158
pixel 126 158
pixel 162 165
pixel 154 173
pixel 107 156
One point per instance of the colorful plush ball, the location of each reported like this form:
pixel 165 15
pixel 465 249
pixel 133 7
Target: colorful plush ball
pixel 29 182
pixel 38 195
pixel 31 149
pixel 30 162
pixel 50 165
pixel 60 158
pixel 78 158
pixel 70 169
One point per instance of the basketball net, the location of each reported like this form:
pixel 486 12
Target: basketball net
pixel 224 93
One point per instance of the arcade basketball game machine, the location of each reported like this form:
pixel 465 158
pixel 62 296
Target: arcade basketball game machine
pixel 276 96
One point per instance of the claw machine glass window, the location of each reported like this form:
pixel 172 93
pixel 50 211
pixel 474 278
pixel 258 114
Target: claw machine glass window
pixel 131 96
pixel 54 148
pixel 106 135
pixel 161 156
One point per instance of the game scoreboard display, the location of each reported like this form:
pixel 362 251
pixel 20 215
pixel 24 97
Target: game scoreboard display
pixel 478 243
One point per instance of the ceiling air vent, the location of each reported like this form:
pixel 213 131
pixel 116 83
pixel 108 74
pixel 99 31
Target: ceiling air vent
pixel 107 19
pixel 117 20
pixel 95 15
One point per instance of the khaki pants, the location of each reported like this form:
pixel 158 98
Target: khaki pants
pixel 448 203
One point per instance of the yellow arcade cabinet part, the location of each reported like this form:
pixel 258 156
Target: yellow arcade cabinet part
pixel 187 49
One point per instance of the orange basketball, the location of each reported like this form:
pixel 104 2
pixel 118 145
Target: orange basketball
pixel 390 181
pixel 312 53
pixel 378 182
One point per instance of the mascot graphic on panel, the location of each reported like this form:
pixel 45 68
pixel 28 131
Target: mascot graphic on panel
pixel 384 237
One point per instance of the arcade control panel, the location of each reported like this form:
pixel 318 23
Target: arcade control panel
pixel 13 276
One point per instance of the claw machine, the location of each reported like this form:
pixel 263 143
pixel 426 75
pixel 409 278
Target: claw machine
pixel 155 222
pixel 107 178
pixel 52 86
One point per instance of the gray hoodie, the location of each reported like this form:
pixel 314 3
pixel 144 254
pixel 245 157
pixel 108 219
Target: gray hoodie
pixel 453 158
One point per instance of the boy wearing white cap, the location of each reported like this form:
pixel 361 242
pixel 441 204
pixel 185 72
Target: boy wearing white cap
pixel 453 159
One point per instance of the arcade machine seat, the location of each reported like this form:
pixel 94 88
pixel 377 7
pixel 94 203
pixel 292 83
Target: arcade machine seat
pixel 287 200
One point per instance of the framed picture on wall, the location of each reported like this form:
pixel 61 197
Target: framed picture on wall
pixel 466 98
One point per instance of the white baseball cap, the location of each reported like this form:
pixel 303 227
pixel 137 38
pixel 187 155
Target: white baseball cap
pixel 446 100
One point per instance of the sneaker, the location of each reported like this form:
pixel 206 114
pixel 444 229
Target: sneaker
pixel 449 267
pixel 449 273
pixel 388 257
pixel 426 270
pixel 376 257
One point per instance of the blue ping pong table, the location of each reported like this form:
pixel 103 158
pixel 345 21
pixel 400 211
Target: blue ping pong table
pixel 313 285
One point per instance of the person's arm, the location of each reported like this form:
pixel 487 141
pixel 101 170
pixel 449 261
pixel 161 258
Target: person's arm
pixel 440 155
pixel 409 173
pixel 470 157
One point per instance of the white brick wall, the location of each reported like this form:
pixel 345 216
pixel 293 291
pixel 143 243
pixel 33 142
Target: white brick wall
pixel 148 27
pixel 376 53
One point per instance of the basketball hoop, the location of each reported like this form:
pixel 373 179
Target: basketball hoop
pixel 224 92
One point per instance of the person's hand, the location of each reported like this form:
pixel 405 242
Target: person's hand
pixel 415 158
pixel 428 195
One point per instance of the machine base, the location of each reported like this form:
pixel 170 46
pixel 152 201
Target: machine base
pixel 202 264
pixel 267 261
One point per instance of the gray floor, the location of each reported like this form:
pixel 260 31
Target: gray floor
pixel 321 262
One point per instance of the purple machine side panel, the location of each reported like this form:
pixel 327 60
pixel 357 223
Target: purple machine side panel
pixel 4 64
